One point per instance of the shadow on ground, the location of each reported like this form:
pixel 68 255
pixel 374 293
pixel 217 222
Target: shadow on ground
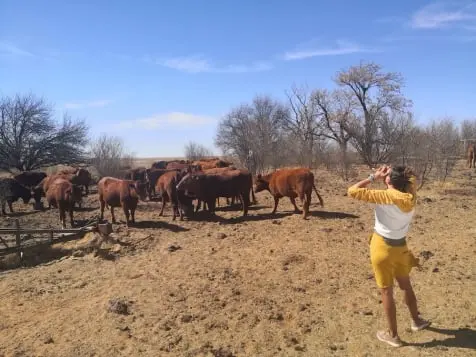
pixel 460 338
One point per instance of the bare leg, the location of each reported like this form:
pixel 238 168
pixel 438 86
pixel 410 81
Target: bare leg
pixel 410 298
pixel 390 310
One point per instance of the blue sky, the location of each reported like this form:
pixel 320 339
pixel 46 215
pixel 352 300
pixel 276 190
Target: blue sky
pixel 161 73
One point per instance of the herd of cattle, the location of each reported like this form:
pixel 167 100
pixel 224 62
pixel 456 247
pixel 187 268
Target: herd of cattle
pixel 180 182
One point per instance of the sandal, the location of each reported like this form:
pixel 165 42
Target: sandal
pixel 384 336
pixel 422 325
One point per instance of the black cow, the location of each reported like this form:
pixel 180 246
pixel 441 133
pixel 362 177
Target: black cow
pixel 207 187
pixel 10 191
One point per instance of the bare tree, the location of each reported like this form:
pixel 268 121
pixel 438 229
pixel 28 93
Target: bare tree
pixel 109 156
pixel 251 133
pixel 195 151
pixel 302 121
pixel 379 99
pixel 335 111
pixel 445 140
pixel 30 138
pixel 468 129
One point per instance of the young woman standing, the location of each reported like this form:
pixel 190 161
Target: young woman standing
pixel 390 257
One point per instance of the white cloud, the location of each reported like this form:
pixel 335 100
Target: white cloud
pixel 172 119
pixel 199 64
pixel 12 50
pixel 90 104
pixel 342 48
pixel 440 15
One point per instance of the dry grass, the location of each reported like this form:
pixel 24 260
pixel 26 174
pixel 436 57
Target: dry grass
pixel 262 286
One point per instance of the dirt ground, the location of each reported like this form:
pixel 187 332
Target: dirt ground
pixel 259 286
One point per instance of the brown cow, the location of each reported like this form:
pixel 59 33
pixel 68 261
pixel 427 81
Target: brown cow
pixel 77 176
pixel 290 183
pixel 30 179
pixel 152 176
pixel 42 188
pixel 114 192
pixel 206 164
pixel 471 162
pixel 167 189
pixel 10 191
pixel 207 187
pixel 62 194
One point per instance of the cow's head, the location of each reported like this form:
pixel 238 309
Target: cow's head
pixel 190 184
pixel 141 189
pixel 77 193
pixel 261 183
pixel 26 196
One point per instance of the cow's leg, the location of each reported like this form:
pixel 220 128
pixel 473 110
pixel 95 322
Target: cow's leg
pixel 245 200
pixel 163 206
pixel 307 204
pixel 62 213
pixel 10 206
pixel 3 208
pixel 86 187
pixel 126 213
pixel 112 214
pixel 276 201
pixel 103 205
pixel 211 205
pixel 293 201
pixel 199 204
pixel 133 214
pixel 71 221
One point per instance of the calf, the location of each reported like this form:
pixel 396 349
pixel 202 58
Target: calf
pixel 30 178
pixel 152 176
pixel 207 187
pixel 120 193
pixel 290 183
pixel 10 191
pixel 167 189
pixel 62 194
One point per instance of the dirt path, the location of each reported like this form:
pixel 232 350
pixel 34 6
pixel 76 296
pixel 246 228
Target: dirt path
pixel 264 286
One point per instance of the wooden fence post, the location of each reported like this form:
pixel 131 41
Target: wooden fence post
pixel 18 238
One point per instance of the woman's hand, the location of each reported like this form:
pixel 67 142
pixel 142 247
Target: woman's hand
pixel 382 172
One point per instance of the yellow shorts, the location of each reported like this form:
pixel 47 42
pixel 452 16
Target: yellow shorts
pixel 389 262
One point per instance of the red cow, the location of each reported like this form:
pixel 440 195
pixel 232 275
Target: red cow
pixel 167 189
pixel 114 192
pixel 62 194
pixel 290 183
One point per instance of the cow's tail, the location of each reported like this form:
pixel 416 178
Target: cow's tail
pixel 321 201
